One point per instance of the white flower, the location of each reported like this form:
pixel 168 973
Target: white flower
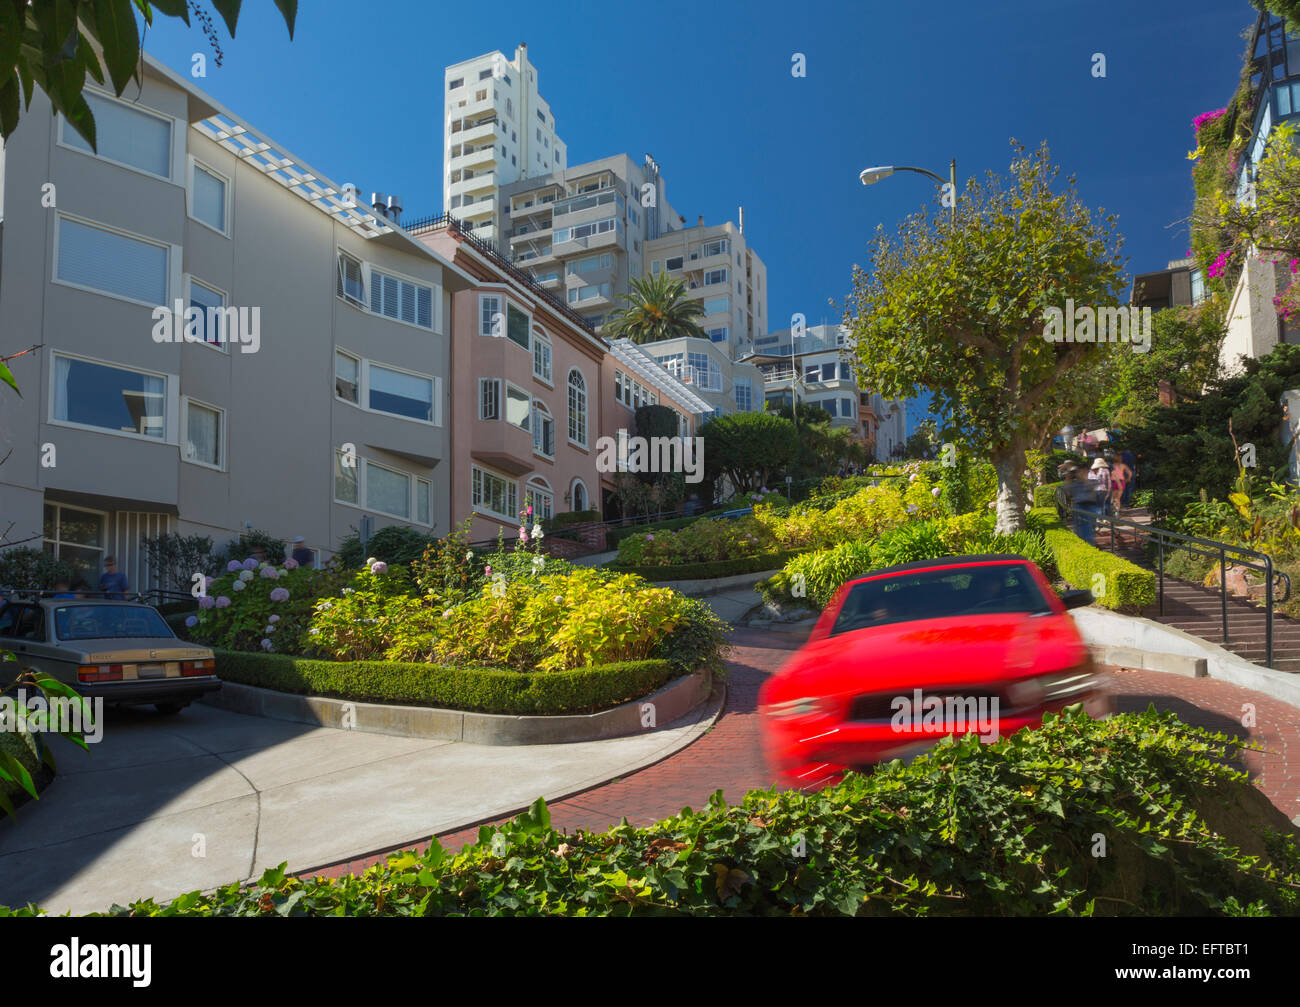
pixel 246 575
pixel 238 585
pixel 447 613
pixel 558 599
pixel 327 604
pixel 369 560
pixel 537 530
pixel 469 555
pixel 315 632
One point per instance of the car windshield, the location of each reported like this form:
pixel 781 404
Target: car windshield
pixel 939 594
pixel 97 622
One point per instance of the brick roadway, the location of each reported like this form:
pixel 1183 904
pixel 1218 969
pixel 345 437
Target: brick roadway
pixel 728 756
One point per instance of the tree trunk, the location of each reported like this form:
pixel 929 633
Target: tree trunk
pixel 1009 464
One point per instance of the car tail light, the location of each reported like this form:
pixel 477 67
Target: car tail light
pixel 99 673
pixel 205 667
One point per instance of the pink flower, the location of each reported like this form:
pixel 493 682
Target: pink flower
pixel 268 572
pixel 273 619
pixel 379 567
pixel 223 601
pixel 250 563
pixel 523 534
pixel 1205 117
pixel 279 594
pixel 487 571
pixel 207 601
pixel 649 538
pixel 1218 265
pixel 291 564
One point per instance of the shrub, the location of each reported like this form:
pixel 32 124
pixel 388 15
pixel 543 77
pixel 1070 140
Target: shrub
pixel 246 543
pixel 395 545
pixel 482 690
pixel 244 621
pixel 33 569
pixel 1045 495
pixel 175 559
pixel 969 830
pixel 815 576
pixel 1124 585
pixel 704 541
pixel 362 621
pixel 865 514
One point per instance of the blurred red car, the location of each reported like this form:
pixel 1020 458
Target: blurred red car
pixel 907 655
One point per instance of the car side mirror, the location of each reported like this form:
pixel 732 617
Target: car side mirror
pixel 1076 598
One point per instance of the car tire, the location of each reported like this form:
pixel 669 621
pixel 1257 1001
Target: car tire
pixel 169 709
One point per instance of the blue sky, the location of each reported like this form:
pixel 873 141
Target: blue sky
pixel 707 89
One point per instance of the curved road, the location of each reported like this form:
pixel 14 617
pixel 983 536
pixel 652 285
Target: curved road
pixel 728 756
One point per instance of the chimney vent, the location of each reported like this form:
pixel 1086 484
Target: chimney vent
pixel 394 207
pixel 377 203
pixel 700 221
pixel 742 220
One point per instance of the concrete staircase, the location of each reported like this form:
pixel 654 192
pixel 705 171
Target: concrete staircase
pixel 1198 610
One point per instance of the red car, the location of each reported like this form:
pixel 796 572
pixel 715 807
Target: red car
pixel 905 656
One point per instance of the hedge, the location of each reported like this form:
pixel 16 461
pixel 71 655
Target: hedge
pixel 615 535
pixel 1045 495
pixel 971 830
pixel 482 690
pixel 711 570
pixel 1127 587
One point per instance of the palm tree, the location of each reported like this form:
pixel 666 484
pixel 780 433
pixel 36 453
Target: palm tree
pixel 656 310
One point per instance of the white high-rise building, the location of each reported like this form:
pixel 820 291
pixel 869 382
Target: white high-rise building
pixel 497 129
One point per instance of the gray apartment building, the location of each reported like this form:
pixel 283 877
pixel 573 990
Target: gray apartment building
pixel 227 340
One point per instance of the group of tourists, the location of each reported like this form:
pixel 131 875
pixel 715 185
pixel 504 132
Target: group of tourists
pixel 1101 488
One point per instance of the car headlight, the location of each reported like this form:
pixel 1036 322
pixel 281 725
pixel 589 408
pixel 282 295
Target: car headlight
pixel 803 707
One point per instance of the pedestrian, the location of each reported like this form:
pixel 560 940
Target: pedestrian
pixel 1099 476
pixel 61 589
pixel 1083 501
pixel 301 554
pixel 80 588
pixel 1120 474
pixel 1128 458
pixel 112 584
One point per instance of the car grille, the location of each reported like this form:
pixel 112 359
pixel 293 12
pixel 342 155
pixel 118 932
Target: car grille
pixel 877 707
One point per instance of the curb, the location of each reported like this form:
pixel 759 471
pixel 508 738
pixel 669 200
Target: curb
pixel 674 700
pixel 717 585
pixel 1163 648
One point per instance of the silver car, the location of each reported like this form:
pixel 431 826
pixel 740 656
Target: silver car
pixel 123 651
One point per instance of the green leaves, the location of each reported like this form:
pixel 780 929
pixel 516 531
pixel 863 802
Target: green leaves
pixel 6 375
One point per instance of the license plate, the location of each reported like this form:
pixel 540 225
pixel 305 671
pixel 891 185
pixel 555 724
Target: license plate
pixel 151 671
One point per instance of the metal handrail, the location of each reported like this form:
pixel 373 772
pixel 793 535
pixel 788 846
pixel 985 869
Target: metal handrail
pixel 1193 543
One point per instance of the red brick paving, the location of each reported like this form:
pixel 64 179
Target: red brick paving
pixel 728 755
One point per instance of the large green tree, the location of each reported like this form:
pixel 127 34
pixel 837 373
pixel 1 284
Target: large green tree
pixel 958 306
pixel 55 45
pixel 656 309
pixel 748 448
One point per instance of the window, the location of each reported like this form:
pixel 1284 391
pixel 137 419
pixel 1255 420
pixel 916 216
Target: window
pixel 211 304
pixel 458 82
pixel 718 247
pixel 490 320
pixel 400 393
pixel 347 377
pixel 718 335
pixel 517 326
pixel 618 386
pixel 208 198
pixel 518 407
pixel 717 306
pixel 828 372
pixel 674 263
pixel 489 398
pixel 494 494
pixel 579 495
pixel 480 95
pixel 590 264
pixel 423 504
pixel 484 74
pixel 744 395
pixel 112 263
pixel 388 490
pixel 77 537
pixel 716 276
pixel 578 295
pixel 109 398
pixel 585 230
pixel 351 285
pixel 345 479
pixel 538 496
pixel 846 408
pixel 203 435
pixel 127 135
pixel 577 408
pixel 403 300
pixel 655 266
pixel 543 429
pixel 541 117
pixel 541 356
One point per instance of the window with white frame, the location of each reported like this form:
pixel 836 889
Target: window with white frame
pixel 126 134
pixel 401 393
pixel 110 262
pixel 577 408
pixel 387 490
pixel 541 356
pixel 538 496
pixel 518 407
pixel 400 299
pixel 744 395
pixel 713 276
pixel 211 304
pixel 108 397
pixel 579 495
pixel 347 482
pixel 517 323
pixel 204 431
pixel 208 197
pixel 423 501
pixel 543 429
pixel 347 377
pixel 352 285
pixel 383 489
pixel 491 321
pixel 494 494
pixel 489 398
pixel 718 247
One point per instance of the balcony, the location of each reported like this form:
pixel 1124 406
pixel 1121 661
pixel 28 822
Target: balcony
pixel 479 183
pixel 470 159
pixel 530 232
pixel 502 446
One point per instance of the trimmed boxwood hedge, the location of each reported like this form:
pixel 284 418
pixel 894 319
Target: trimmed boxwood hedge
pixel 1045 495
pixel 481 690
pixel 1128 586
pixel 710 571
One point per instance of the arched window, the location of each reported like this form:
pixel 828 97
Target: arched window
pixel 577 408
pixel 538 496
pixel 578 495
pixel 541 355
pixel 543 429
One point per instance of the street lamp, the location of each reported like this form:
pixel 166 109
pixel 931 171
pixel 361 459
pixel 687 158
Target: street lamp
pixel 870 176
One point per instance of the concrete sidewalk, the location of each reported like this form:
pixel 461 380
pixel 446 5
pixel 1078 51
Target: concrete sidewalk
pixel 167 805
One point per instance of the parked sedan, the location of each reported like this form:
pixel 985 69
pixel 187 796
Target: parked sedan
pixel 119 650
pixel 905 656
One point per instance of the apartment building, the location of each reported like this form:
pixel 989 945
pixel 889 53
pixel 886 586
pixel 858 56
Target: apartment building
pixel 497 129
pixel 812 367
pixel 727 386
pixel 1254 327
pixel 528 392
pixel 227 339
pixel 582 231
pixel 721 271
pixel 1179 284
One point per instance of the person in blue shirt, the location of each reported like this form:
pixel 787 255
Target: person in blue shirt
pixel 111 582
pixel 61 590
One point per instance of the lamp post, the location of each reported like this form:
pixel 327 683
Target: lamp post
pixel 870 176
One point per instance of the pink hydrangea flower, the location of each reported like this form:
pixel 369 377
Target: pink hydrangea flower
pixel 207 601
pixel 379 567
pixel 649 538
pixel 280 594
pixel 273 619
pixel 291 564
pixel 268 573
pixel 223 601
